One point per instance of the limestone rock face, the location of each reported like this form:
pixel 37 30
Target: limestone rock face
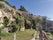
pixel 22 28
pixel 6 30
pixel 40 36
pixel 35 36
pixel 33 39
pixel 5 14
pixel 1 17
pixel 44 36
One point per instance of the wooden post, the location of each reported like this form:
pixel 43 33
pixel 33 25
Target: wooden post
pixel 14 37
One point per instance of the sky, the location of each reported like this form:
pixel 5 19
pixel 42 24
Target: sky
pixel 36 7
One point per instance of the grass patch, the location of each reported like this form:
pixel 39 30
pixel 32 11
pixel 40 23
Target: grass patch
pixel 49 34
pixel 24 35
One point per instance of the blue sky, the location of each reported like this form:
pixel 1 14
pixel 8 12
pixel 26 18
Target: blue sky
pixel 36 7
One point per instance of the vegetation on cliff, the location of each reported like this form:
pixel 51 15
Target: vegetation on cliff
pixel 20 21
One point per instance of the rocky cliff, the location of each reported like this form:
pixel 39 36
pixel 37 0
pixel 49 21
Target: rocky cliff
pixel 10 12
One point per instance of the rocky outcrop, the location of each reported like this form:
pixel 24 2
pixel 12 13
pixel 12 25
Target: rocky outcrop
pixel 44 36
pixel 22 28
pixel 35 36
pixel 41 35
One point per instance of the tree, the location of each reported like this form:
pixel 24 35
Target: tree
pixel 1 0
pixel 14 29
pixel 21 23
pixel 5 21
pixel 27 24
pixel 22 8
pixel 38 23
pixel 14 7
pixel 34 24
pixel 15 26
pixel 44 23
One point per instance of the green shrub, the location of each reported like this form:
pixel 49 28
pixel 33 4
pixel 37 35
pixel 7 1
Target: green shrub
pixel 14 28
pixel 52 32
pixel 1 5
pixel 5 21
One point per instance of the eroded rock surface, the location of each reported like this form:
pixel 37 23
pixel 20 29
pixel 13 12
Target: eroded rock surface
pixel 41 35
